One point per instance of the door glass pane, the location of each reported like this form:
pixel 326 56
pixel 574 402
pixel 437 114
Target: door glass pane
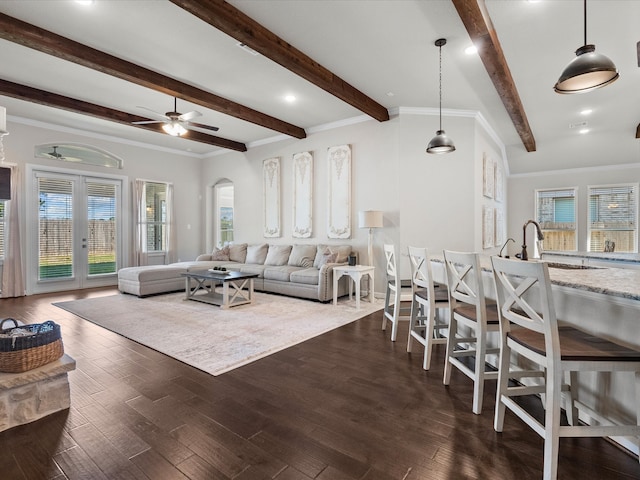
pixel 55 227
pixel 101 237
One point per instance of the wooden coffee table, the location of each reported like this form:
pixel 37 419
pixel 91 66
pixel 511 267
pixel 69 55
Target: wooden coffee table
pixel 237 287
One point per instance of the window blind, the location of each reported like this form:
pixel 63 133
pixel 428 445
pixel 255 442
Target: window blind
pixel 556 214
pixel 101 237
pixel 55 219
pixel 612 218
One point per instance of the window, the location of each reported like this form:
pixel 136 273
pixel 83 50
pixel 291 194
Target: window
pixel 78 153
pixel 155 216
pixel 612 218
pixel 3 229
pixel 224 213
pixel 556 214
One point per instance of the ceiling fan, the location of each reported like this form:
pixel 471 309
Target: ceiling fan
pixel 176 123
pixel 55 153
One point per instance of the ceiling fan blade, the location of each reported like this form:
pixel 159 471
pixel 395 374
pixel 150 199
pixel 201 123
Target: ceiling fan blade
pixel 157 115
pixel 185 117
pixel 202 126
pixel 146 122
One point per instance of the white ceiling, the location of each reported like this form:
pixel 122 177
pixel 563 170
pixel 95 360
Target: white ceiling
pixel 378 46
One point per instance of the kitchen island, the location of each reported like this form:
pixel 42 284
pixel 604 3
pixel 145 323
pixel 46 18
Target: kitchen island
pixel 603 301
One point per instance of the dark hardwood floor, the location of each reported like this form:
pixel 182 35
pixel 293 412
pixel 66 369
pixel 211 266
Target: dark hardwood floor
pixel 349 404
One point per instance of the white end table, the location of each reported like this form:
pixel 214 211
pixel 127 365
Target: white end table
pixel 355 272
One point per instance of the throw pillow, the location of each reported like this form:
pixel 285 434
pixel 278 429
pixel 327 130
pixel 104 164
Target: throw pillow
pixel 319 253
pixel 302 256
pixel 238 253
pixel 342 252
pixel 327 258
pixel 278 255
pixel 257 254
pixel 220 254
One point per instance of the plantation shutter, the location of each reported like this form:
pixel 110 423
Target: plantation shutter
pixel 2 228
pixel 156 215
pixel 101 237
pixel 55 214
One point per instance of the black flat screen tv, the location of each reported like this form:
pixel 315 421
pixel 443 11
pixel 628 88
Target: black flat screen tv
pixel 5 183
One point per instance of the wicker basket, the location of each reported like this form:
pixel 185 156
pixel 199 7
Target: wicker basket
pixel 41 345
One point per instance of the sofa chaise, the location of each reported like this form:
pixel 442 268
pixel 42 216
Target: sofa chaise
pixel 304 271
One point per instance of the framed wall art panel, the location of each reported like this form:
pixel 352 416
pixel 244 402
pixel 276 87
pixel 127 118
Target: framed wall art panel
pixel 339 211
pixel 302 195
pixel 488 226
pixel 488 176
pixel 271 197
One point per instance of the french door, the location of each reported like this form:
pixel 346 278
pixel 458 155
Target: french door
pixel 76 231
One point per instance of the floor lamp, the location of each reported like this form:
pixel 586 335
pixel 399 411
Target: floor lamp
pixel 370 219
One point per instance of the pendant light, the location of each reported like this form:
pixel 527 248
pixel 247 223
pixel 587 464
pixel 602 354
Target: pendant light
pixel 588 71
pixel 440 143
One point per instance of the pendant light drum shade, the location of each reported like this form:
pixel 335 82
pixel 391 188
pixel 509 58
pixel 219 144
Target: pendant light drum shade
pixel 588 71
pixel 440 143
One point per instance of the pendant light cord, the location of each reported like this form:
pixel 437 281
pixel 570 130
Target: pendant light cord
pixel 585 22
pixel 440 68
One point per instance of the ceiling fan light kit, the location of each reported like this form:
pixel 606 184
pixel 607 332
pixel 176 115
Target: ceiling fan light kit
pixel 440 143
pixel 588 71
pixel 174 129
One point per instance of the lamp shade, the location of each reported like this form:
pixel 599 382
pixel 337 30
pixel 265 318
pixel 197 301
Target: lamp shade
pixel 370 219
pixel 588 71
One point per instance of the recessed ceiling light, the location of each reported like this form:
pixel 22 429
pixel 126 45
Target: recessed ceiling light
pixel 586 111
pixel 290 98
pixel 583 124
pixel 390 94
pixel 471 50
pixel 247 48
pixel 584 130
pixel 85 2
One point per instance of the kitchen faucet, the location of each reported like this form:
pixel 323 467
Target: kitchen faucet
pixel 523 254
pixel 504 245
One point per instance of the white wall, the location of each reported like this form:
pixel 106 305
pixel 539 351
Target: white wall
pixel 183 171
pixel 427 200
pixel 430 200
pixel 522 195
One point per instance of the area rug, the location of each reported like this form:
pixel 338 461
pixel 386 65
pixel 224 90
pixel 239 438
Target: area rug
pixel 215 340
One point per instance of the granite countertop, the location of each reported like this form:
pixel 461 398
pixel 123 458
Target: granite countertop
pixel 608 256
pixel 617 282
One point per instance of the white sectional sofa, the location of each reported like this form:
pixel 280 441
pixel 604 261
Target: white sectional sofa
pixel 304 271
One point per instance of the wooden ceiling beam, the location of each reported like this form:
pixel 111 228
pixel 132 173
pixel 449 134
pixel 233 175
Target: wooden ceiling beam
pixel 28 35
pixel 42 97
pixel 233 22
pixel 475 17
